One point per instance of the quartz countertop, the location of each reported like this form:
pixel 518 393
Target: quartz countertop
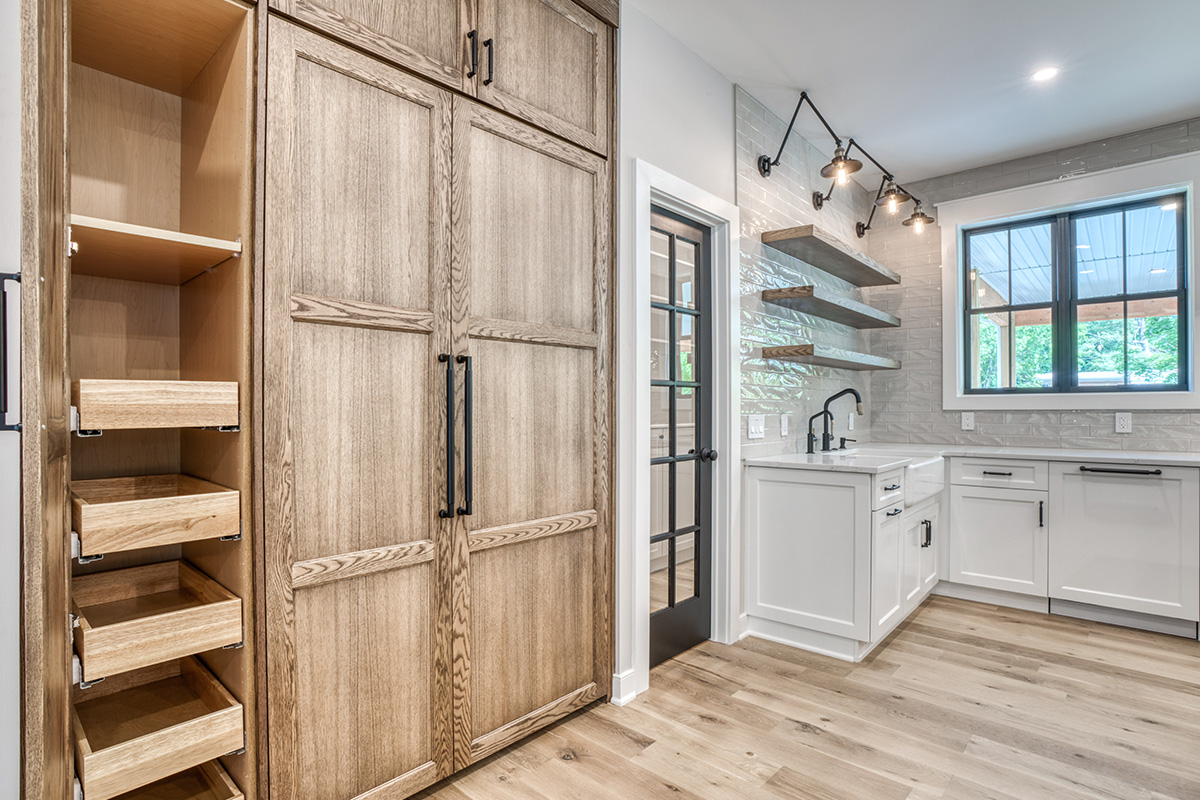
pixel 876 458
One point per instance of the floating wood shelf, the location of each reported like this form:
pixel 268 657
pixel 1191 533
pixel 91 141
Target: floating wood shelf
pixel 814 246
pixel 829 305
pixel 141 616
pixel 110 249
pixel 140 727
pixel 106 404
pixel 116 514
pixel 163 50
pixel 206 782
pixel 825 356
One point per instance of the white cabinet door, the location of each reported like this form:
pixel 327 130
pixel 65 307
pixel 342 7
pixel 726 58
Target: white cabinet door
pixel 998 538
pixel 887 570
pixel 914 538
pixel 1127 537
pixel 808 548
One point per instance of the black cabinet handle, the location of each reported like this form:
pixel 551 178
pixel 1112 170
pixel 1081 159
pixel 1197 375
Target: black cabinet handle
pixel 999 474
pixel 1121 471
pixel 491 61
pixel 895 513
pixel 891 488
pixel 928 533
pixel 1041 513
pixel 4 279
pixel 473 36
pixel 469 464
pixel 448 511
pixel 708 454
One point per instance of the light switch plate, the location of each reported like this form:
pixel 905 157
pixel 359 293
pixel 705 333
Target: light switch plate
pixel 850 420
pixel 1123 422
pixel 756 426
pixel 968 420
pixel 784 424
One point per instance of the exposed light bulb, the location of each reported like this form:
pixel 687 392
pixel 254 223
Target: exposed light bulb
pixel 1169 207
pixel 919 227
pixel 892 207
pixel 842 177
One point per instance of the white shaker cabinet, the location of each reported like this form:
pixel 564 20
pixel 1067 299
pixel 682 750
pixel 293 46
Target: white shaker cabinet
pixel 999 538
pixel 888 599
pixel 922 537
pixel 1127 537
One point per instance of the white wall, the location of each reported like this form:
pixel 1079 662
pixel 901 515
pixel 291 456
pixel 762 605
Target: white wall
pixel 10 472
pixel 676 114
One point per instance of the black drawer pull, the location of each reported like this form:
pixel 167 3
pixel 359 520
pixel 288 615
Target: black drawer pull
pixel 491 54
pixel 891 488
pixel 448 511
pixel 998 474
pixel 473 36
pixel 1121 471
pixel 1041 513
pixel 928 533
pixel 895 513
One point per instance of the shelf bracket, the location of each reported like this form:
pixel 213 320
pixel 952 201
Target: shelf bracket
pixel 237 537
pixel 82 433
pixel 77 677
pixel 77 550
pixel 240 750
pixel 237 646
pixel 77 790
pixel 73 620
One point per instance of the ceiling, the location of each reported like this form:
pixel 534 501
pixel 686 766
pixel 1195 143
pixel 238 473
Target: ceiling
pixel 940 86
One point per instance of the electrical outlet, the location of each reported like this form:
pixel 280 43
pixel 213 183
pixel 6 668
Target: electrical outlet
pixel 968 420
pixel 1123 422
pixel 850 420
pixel 784 424
pixel 756 426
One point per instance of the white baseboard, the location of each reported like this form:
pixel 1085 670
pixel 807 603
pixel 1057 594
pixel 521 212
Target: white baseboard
pixel 994 597
pixel 1126 619
pixel 622 688
pixel 825 644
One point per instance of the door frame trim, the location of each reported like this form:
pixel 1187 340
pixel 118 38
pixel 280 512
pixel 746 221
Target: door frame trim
pixel 652 185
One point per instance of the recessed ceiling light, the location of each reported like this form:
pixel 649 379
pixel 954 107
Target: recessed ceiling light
pixel 1169 207
pixel 1044 74
pixel 1086 271
pixel 1083 247
pixel 1158 271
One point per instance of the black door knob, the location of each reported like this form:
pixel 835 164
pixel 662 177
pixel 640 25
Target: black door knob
pixel 708 454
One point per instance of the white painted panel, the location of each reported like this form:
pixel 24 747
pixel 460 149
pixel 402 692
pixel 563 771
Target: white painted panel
pixel 808 549
pixel 1127 541
pixel 998 541
pixel 930 562
pixel 999 472
pixel 10 462
pixel 889 488
pixel 887 570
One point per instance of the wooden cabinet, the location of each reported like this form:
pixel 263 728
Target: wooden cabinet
pixel 436 417
pixel 999 538
pixel 428 37
pixel 530 287
pixel 356 314
pixel 547 61
pixel 1126 536
pixel 888 600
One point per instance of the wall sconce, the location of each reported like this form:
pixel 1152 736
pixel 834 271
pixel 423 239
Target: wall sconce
pixel 890 195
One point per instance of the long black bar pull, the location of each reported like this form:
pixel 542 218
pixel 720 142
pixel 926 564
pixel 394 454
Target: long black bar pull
pixel 469 464
pixel 448 511
pixel 491 53
pixel 1106 471
pixel 5 278
pixel 473 36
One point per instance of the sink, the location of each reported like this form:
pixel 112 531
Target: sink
pixel 924 478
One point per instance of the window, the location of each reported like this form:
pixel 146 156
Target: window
pixel 1086 301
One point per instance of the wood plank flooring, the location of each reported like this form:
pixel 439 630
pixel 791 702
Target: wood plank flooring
pixel 963 702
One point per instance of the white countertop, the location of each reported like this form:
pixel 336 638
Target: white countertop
pixel 876 458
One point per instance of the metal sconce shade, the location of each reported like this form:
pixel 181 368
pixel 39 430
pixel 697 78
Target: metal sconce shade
pixel 918 220
pixel 893 193
pixel 850 165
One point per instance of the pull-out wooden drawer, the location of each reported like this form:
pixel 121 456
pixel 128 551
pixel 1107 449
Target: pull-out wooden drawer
pixel 206 782
pixel 115 405
pixel 138 728
pixel 1000 472
pixel 133 618
pixel 115 514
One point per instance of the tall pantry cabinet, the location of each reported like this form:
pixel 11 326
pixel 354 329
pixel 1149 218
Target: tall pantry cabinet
pixel 323 360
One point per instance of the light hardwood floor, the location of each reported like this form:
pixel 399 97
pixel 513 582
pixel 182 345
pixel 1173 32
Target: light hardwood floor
pixel 963 701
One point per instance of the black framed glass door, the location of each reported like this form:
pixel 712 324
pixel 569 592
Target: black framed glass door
pixel 680 436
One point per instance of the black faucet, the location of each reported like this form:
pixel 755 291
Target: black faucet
pixel 827 415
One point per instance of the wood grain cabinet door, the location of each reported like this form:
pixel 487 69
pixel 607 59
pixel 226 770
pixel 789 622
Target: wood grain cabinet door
pixel 530 298
pixel 547 62
pixel 356 312
pixel 428 37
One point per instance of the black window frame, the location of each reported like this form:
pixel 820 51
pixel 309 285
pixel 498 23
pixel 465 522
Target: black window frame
pixel 1064 305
